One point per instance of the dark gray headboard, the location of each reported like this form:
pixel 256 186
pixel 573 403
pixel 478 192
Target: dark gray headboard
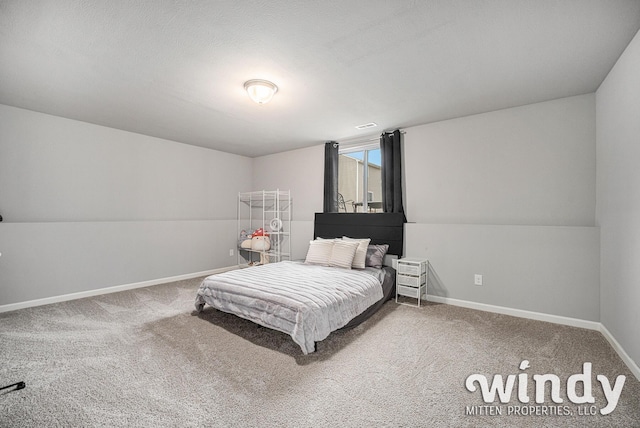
pixel 382 228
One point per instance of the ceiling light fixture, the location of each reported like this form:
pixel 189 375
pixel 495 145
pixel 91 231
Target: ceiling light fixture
pixel 260 91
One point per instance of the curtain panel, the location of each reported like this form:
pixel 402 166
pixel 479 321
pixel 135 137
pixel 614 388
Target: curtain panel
pixel 391 156
pixel 331 177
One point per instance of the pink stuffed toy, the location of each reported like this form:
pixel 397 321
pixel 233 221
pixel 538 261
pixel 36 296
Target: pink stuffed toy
pixel 260 242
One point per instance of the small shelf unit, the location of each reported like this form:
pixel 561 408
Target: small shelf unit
pixel 411 278
pixel 270 210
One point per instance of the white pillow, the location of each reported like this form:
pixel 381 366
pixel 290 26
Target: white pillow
pixel 343 253
pixel 319 252
pixel 361 253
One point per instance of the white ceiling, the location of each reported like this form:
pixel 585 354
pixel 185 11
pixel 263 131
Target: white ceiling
pixel 175 68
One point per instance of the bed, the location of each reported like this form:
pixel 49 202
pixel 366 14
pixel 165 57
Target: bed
pixel 308 299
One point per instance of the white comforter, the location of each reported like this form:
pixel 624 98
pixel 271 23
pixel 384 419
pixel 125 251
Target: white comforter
pixel 305 301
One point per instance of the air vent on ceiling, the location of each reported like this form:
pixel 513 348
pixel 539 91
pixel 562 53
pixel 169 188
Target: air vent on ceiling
pixel 367 125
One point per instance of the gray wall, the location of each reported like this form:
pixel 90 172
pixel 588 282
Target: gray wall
pixel 545 269
pixel 618 209
pixel 302 172
pixel 530 165
pixel 87 207
pixel 508 194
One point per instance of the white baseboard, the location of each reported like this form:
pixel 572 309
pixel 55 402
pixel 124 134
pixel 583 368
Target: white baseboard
pixel 107 290
pixel 538 316
pixel 557 319
pixel 621 352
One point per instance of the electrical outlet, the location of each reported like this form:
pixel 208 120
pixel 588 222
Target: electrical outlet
pixel 477 279
pixel 231 252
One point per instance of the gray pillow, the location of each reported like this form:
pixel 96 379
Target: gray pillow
pixel 375 255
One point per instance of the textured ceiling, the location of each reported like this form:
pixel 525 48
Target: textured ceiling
pixel 175 68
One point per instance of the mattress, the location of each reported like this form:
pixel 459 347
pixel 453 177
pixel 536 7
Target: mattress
pixel 307 302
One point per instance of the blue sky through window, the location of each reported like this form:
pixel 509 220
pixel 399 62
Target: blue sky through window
pixel 374 156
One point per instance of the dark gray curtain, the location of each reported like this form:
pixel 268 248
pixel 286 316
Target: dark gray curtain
pixel 391 155
pixel 331 177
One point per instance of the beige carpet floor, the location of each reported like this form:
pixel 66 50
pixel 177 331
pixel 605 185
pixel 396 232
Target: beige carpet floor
pixel 144 358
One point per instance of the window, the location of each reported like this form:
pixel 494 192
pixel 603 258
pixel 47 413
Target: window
pixel 359 187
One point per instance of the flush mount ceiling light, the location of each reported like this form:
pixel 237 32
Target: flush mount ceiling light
pixel 260 91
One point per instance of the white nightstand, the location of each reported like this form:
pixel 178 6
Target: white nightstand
pixel 411 278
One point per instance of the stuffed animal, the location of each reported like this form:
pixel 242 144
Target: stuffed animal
pixel 244 241
pixel 259 232
pixel 243 237
pixel 260 243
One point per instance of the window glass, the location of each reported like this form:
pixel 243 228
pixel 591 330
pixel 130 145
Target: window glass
pixel 360 180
